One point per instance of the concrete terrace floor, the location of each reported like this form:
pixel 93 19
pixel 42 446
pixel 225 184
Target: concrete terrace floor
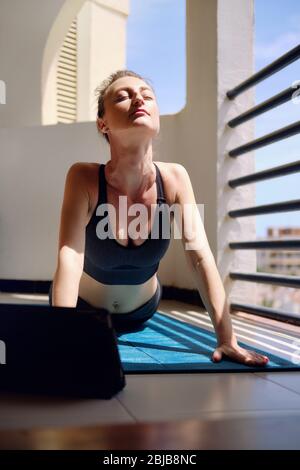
pixel 154 398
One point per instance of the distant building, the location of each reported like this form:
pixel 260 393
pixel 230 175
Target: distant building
pixel 279 261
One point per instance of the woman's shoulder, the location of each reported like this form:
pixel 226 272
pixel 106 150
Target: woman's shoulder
pixel 83 167
pixel 169 167
pixel 176 171
pixel 168 174
pixel 169 170
pixel 87 172
pixel 175 177
pixel 86 176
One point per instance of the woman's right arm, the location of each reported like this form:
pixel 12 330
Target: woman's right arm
pixel 71 245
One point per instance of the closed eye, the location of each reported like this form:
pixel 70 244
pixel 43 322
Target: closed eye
pixel 122 97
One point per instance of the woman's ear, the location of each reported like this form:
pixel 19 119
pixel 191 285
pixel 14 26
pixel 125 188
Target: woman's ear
pixel 102 127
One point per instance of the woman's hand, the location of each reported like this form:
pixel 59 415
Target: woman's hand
pixel 239 354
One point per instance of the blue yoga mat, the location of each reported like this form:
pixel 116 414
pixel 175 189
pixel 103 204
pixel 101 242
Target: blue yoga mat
pixel 164 344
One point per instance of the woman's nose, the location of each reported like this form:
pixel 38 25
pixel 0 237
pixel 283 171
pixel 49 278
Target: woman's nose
pixel 138 99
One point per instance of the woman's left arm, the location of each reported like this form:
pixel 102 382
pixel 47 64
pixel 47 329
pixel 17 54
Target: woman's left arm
pixel 205 273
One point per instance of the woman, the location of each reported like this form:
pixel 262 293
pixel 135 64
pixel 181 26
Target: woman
pixel 118 273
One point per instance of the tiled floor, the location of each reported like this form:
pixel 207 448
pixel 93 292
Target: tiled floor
pixel 168 397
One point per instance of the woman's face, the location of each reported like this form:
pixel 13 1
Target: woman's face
pixel 121 99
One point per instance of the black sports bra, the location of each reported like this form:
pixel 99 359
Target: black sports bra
pixel 109 262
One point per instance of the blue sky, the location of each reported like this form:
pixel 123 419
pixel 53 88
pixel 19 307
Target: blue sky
pixel 156 50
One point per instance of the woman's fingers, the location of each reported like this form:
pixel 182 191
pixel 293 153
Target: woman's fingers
pixel 246 356
pixel 239 354
pixel 251 357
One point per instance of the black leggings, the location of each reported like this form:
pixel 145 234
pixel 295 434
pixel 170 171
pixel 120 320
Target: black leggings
pixel 131 320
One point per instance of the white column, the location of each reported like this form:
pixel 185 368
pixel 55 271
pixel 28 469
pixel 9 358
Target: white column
pixel 219 56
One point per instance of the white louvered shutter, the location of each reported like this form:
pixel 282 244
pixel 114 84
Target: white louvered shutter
pixel 66 78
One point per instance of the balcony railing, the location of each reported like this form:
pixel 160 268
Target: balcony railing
pixel 282 206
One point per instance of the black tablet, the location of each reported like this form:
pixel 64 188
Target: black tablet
pixel 63 351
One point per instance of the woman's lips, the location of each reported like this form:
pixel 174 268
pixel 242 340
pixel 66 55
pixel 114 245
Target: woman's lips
pixel 139 111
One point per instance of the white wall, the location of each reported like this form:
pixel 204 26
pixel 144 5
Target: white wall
pixel 25 27
pixel 33 166
pixel 100 23
pixel 235 64
pixel 219 57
